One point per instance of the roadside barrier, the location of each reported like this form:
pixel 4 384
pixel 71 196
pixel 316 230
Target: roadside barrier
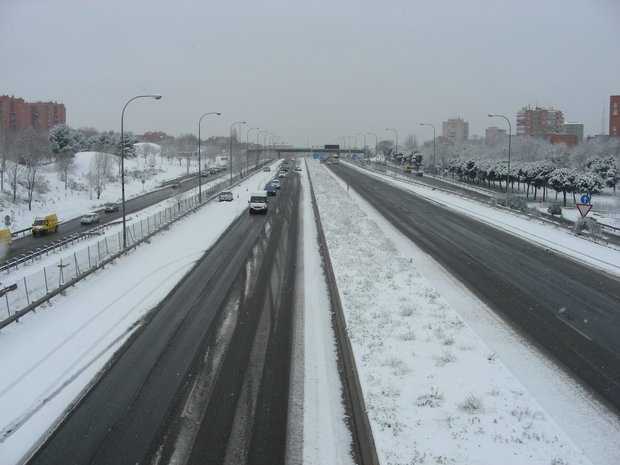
pixel 23 295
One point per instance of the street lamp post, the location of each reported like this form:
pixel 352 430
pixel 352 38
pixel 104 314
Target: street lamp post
pixel 364 136
pixel 267 134
pixel 396 134
pixel 257 150
pixel 247 149
pixel 376 145
pixel 199 165
pixel 509 138
pixel 156 97
pixel 429 124
pixel 231 155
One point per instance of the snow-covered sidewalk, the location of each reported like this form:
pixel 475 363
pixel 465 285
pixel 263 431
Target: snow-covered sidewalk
pixel 445 381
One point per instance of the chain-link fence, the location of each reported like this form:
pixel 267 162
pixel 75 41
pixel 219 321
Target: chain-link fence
pixel 18 297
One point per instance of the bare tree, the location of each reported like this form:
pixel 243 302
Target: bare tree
pixel 29 149
pixel 14 173
pixel 100 169
pixel 7 139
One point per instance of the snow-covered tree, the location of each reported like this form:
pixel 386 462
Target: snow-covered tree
pixel 563 180
pixel 65 143
pixel 99 171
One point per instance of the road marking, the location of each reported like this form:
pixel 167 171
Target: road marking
pixel 573 327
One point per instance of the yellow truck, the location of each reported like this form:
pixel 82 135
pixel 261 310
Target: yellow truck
pixel 44 225
pixel 6 238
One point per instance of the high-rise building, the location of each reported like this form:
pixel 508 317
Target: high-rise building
pixel 539 122
pixel 16 114
pixel 495 135
pixel 574 129
pixel 614 115
pixel 455 130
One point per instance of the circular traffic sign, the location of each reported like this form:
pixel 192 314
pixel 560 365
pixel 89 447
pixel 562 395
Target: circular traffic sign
pixel 585 198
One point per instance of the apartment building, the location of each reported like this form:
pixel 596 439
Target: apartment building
pixel 455 131
pixel 614 115
pixel 539 122
pixel 17 114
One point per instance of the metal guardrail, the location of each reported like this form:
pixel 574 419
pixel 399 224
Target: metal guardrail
pixel 26 294
pixel 614 231
pixel 364 448
pixel 14 262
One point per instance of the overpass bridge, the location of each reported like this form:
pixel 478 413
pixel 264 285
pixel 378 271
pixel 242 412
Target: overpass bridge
pixel 292 150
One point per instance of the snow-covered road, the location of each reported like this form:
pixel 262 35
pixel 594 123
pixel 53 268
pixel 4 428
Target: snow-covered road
pixel 444 380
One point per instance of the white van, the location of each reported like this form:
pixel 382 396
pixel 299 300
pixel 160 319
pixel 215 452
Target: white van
pixel 258 202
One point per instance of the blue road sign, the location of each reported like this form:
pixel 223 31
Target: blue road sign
pixel 585 198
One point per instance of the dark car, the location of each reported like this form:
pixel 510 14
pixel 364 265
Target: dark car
pixel 554 209
pixel 110 207
pixel 271 190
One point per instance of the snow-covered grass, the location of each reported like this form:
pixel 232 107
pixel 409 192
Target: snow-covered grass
pixel 431 357
pixel 79 198
pixel 444 380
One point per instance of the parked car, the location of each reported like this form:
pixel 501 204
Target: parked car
pixel 225 196
pixel 298 168
pixel 110 207
pixel 554 209
pixel 266 169
pixel 90 218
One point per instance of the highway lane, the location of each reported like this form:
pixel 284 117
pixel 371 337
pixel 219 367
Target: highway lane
pixel 201 334
pixel 27 243
pixel 569 309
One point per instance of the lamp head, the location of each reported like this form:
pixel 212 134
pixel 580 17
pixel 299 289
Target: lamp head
pixel 157 97
pixel 491 114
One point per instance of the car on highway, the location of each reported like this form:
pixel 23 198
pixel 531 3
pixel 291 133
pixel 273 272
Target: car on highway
pixel 282 174
pixel 175 184
pixel 90 218
pixel 266 169
pixel 225 196
pixel 259 202
pixel 276 183
pixel 271 190
pixel 110 207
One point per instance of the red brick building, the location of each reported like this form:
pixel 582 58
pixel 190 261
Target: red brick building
pixel 16 114
pixel 614 115
pixel 569 139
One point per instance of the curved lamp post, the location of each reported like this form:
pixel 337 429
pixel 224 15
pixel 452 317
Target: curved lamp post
pixel 257 142
pixel 267 134
pixel 364 136
pixel 199 165
pixel 429 124
pixel 231 155
pixel 247 149
pixel 396 134
pixel 156 97
pixel 376 144
pixel 509 137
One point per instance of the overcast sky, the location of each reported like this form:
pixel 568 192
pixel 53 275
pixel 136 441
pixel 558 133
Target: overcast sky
pixel 312 71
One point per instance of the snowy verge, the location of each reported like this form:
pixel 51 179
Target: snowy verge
pixel 435 391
